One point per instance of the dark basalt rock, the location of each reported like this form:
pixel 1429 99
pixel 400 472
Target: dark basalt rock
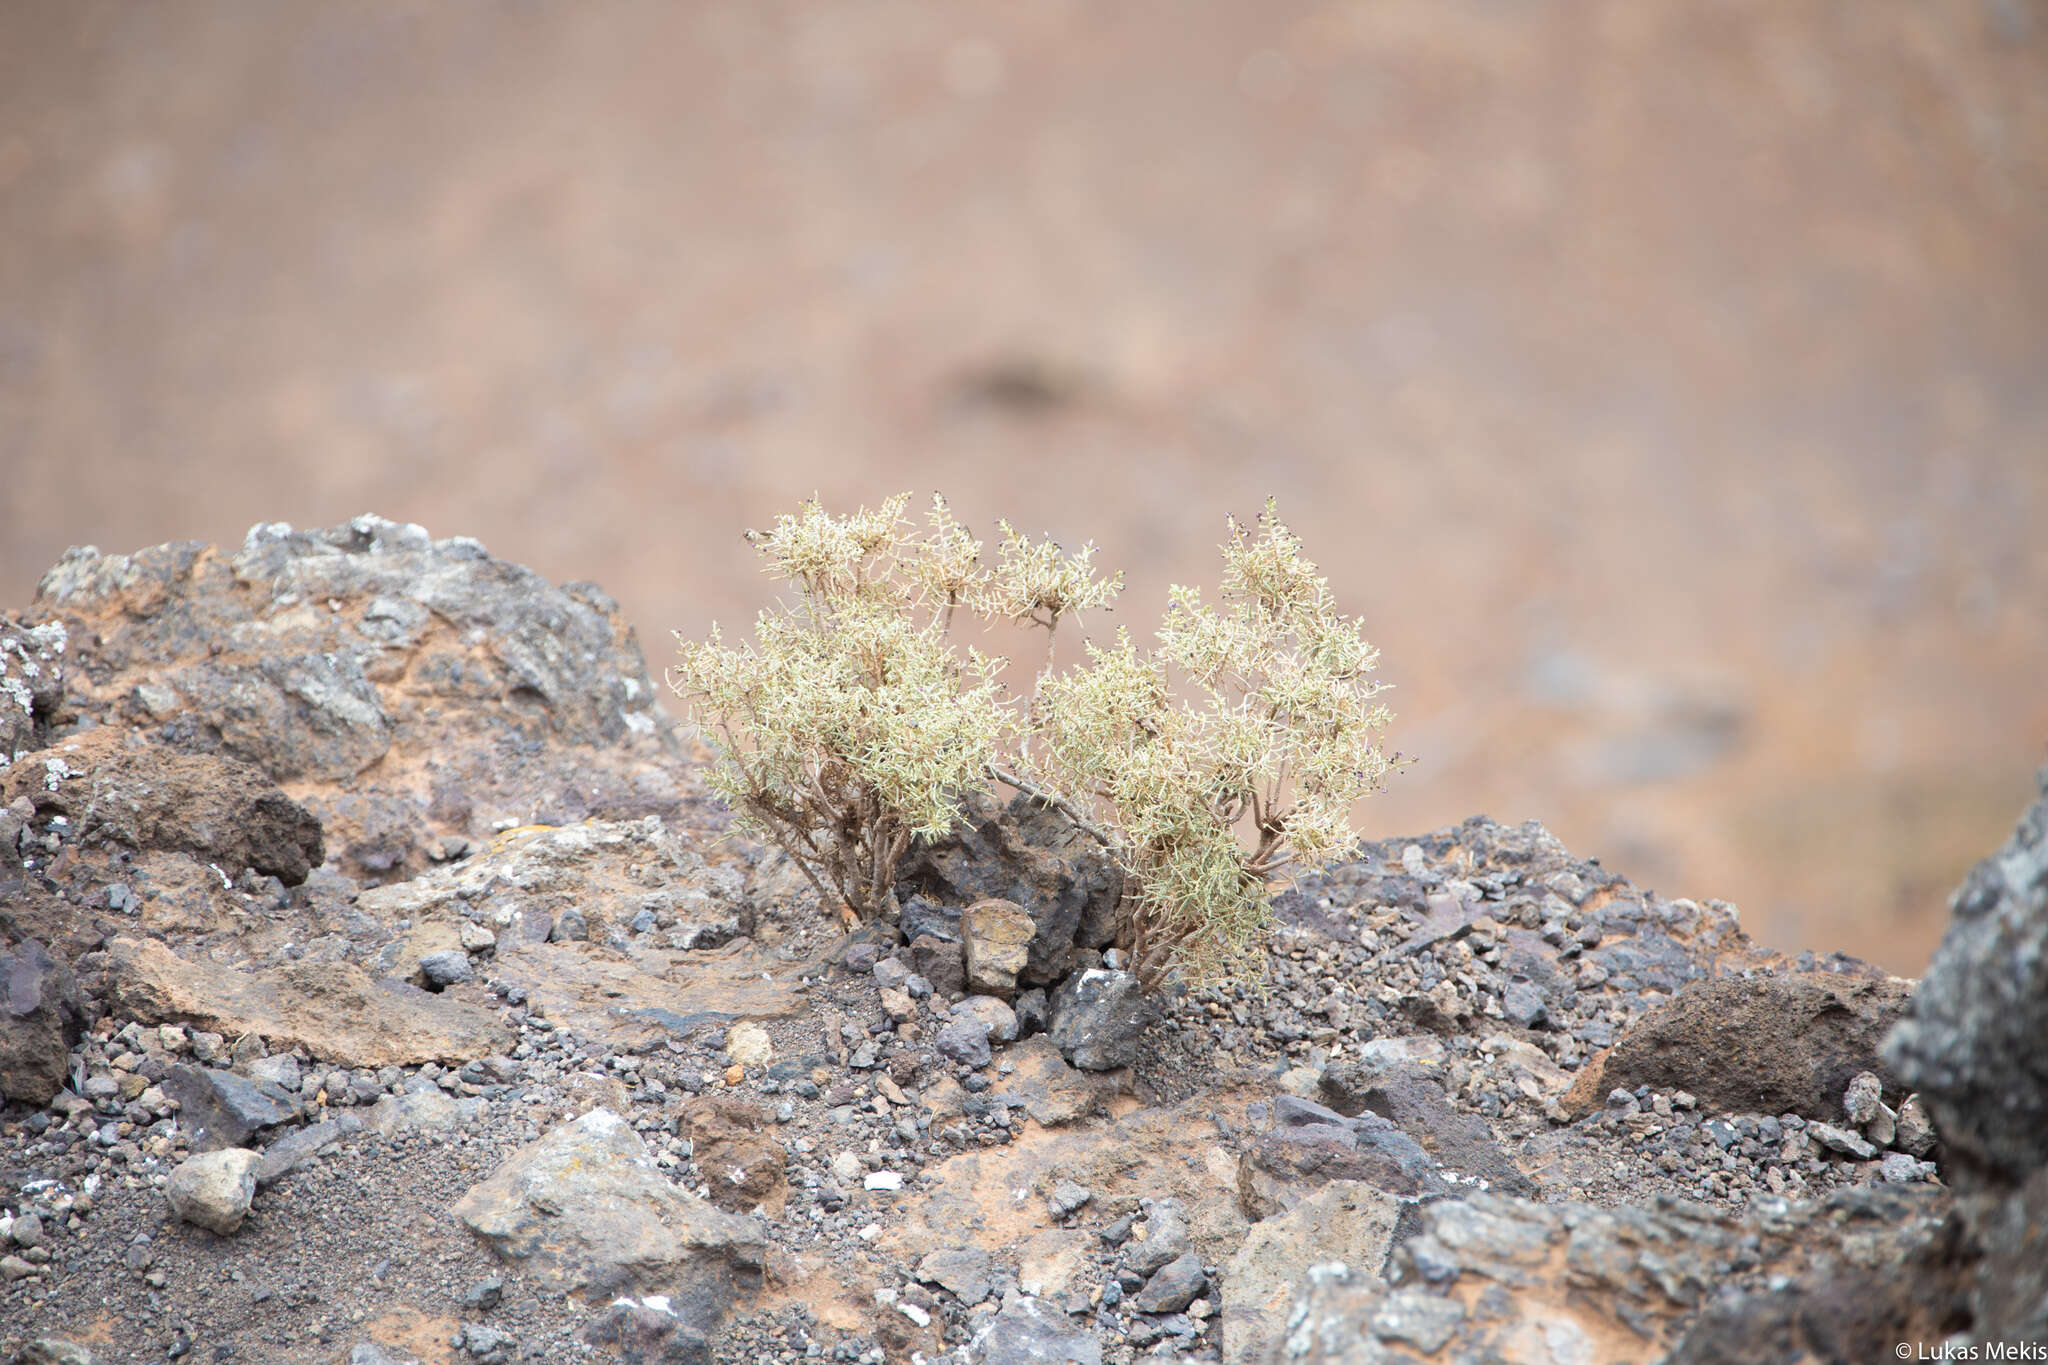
pixel 40 1021
pixel 1764 1044
pixel 1033 856
pixel 1098 1017
pixel 1972 1047
pixel 220 1109
pixel 1301 1153
pixel 1972 1044
pixel 1413 1101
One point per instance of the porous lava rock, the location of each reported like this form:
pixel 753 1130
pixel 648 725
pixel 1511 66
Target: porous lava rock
pixel 1760 1044
pixel 149 798
pixel 407 688
pixel 1034 858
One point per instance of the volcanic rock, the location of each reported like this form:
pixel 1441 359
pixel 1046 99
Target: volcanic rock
pixel 220 1109
pixel 1411 1098
pixel 1097 1018
pixel 332 1009
pixel 1764 1044
pixel 1036 859
pixel 314 655
pixel 213 1189
pixel 583 1210
pixel 1972 1045
pixel 40 1020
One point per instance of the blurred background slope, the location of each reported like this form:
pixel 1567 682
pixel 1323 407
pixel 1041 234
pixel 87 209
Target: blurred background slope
pixel 1664 382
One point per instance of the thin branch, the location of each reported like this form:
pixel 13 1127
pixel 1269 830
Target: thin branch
pixel 878 876
pixel 1265 864
pixel 775 833
pixel 1056 801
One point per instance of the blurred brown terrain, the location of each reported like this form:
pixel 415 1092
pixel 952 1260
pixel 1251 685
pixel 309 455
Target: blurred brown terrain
pixel 1664 382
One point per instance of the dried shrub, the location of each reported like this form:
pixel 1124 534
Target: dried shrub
pixel 854 724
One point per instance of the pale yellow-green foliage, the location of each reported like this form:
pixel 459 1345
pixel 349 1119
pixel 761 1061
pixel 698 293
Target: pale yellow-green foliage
pixel 1268 740
pixel 854 725
pixel 1036 584
pixel 851 725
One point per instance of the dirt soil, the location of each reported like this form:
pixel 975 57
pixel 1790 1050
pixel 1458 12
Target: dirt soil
pixel 1659 379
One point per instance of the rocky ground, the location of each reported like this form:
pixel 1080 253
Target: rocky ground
pixel 378 988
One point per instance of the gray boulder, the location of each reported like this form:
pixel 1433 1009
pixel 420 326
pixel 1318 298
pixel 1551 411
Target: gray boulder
pixel 282 1070
pixel 1000 1018
pixel 1412 1099
pixel 220 1109
pixel 941 962
pixel 1033 1011
pixel 449 967
pixel 1166 1239
pixel 1173 1286
pixel 1299 1154
pixel 920 916
pixel 961 1271
pixel 1030 1331
pixel 1098 1017
pixel 1971 1047
pixel 584 1210
pixel 964 1040
pixel 213 1190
